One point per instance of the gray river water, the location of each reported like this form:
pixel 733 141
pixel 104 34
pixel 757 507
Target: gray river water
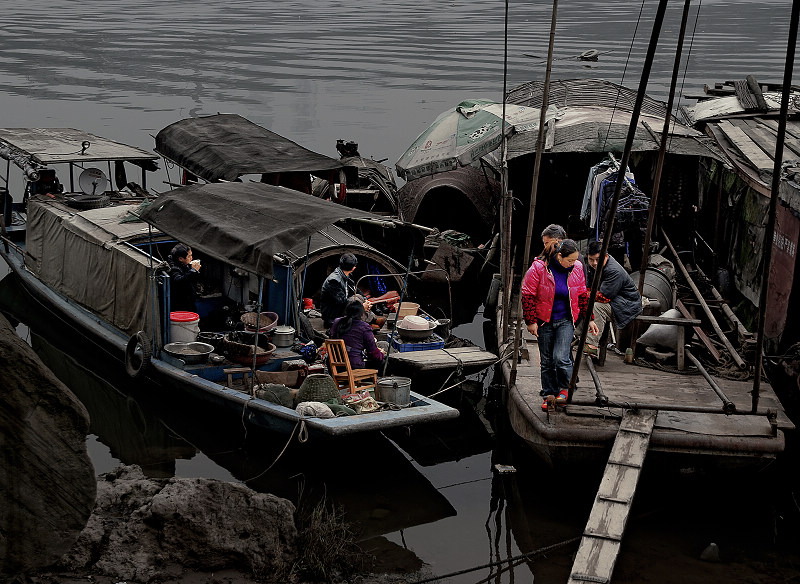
pixel 379 73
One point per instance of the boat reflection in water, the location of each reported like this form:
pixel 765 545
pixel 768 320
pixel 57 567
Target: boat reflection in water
pixel 376 486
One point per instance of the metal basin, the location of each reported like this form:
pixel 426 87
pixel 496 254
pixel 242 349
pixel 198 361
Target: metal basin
pixel 189 353
pixel 415 335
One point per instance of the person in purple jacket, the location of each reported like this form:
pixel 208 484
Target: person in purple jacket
pixel 357 336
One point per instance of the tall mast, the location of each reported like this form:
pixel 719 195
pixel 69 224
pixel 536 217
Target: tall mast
pixel 769 232
pixel 662 148
pixel 623 164
pixel 534 185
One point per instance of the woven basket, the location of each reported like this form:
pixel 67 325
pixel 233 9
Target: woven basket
pixel 268 320
pixel 242 353
pixel 318 387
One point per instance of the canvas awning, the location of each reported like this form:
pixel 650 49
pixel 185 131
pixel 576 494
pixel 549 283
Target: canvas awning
pixel 244 224
pixel 226 146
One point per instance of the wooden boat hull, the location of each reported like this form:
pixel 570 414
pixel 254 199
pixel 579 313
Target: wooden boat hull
pixel 583 434
pixel 172 377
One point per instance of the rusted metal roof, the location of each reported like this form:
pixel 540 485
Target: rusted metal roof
pixel 592 115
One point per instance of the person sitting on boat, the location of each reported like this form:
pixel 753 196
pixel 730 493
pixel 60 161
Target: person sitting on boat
pixel 184 272
pixel 338 289
pixel 357 336
pixel 551 303
pixel 618 298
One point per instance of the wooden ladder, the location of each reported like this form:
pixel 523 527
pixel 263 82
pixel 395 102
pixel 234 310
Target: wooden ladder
pixel 599 547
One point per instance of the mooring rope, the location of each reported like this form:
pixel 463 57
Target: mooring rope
pixel 302 437
pixel 520 558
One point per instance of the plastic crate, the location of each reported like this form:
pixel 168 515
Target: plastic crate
pixel 398 345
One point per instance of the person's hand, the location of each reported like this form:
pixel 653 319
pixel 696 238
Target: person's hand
pixel 593 328
pixel 196 265
pixel 367 306
pixel 533 328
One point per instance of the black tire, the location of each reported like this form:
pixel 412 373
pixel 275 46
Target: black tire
pixel 492 297
pixel 85 202
pixel 137 354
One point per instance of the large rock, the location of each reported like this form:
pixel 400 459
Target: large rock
pixel 153 529
pixel 47 480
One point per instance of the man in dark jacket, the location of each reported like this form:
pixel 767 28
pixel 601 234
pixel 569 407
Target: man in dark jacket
pixel 337 289
pixel 617 299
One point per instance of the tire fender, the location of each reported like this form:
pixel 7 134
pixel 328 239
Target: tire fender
pixel 137 361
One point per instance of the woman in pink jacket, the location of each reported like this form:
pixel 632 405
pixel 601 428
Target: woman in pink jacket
pixel 551 296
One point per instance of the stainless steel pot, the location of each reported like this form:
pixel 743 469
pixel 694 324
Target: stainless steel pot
pixel 283 336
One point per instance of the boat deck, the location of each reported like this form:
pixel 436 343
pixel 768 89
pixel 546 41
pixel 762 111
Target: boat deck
pixel 469 358
pixel 582 423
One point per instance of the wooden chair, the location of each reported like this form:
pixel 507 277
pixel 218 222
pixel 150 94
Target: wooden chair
pixel 345 376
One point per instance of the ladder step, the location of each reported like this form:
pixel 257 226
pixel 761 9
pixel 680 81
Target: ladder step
pixel 590 533
pixel 623 463
pixel 614 500
pixel 588 578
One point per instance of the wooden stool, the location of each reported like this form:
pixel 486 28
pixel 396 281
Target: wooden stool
pixel 230 372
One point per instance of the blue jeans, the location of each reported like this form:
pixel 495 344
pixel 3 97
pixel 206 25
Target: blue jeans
pixel 555 353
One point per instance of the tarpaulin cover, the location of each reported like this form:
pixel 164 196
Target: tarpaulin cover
pixel 244 224
pixel 226 146
pixel 81 256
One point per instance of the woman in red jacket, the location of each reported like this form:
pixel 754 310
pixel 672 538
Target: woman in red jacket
pixel 551 292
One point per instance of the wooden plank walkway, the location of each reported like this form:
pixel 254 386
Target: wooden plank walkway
pixel 599 547
pixel 472 358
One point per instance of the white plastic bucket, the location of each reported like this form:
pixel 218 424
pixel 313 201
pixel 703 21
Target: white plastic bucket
pixel 183 327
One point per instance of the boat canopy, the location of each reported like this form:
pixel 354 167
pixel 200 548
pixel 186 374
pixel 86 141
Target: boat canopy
pixel 226 146
pixel 245 224
pixel 61 145
pixel 592 115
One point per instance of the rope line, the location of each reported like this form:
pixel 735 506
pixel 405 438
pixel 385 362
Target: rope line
pixel 521 558
pixel 302 437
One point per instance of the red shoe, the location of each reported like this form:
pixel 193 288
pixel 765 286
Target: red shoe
pixel 544 405
pixel 562 397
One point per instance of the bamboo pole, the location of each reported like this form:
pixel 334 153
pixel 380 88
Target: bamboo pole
pixel 662 148
pixel 623 164
pixel 526 255
pixel 769 233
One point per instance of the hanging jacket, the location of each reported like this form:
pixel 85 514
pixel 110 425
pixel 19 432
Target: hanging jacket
pixel 539 287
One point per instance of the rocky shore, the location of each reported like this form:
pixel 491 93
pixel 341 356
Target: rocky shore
pixel 61 523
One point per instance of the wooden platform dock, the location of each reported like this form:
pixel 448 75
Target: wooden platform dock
pixel 584 431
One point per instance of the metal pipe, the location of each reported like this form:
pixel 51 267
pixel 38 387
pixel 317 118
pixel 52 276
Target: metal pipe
pixel 727 405
pixel 769 232
pixel 736 357
pixel 623 165
pixel 255 335
pixel 601 397
pixel 665 407
pixel 726 309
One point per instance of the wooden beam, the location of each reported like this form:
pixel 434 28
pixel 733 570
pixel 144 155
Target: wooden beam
pixel 746 146
pixel 700 334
